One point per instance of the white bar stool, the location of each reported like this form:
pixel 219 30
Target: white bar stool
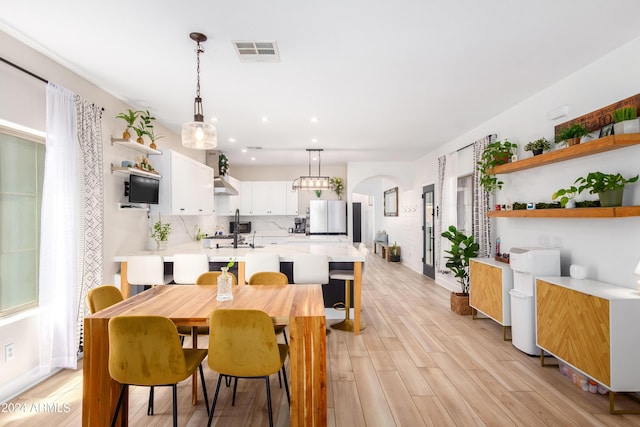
pixel 257 262
pixel 311 269
pixel 146 270
pixel 188 267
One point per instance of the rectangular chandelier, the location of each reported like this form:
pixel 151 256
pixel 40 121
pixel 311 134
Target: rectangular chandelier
pixel 311 182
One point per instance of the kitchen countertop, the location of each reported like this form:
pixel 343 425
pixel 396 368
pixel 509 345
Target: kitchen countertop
pixel 336 253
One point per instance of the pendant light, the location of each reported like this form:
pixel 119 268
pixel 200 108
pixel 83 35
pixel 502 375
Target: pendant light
pixel 312 182
pixel 198 134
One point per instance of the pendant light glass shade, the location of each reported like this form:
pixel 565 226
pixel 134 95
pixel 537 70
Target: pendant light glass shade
pixel 198 134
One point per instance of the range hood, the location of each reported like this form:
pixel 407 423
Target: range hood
pixel 221 186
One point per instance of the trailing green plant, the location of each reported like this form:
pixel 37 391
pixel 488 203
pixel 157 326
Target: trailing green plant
pixel 598 182
pixel 625 113
pixel 161 230
pixel 462 249
pixel 223 164
pixel 577 130
pixel 495 154
pixel 565 194
pixel 538 144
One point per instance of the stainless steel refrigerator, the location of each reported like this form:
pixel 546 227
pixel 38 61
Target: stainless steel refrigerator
pixel 328 217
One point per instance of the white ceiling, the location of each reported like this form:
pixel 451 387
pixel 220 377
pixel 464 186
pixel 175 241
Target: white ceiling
pixel 386 80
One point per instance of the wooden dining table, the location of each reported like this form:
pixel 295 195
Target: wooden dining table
pixel 299 306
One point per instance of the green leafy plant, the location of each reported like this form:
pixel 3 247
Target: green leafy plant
pixel 495 154
pixel 337 184
pixel 394 249
pixel 161 230
pixel 625 113
pixel 223 164
pixel 151 134
pixel 577 130
pixel 130 117
pixel 538 144
pixel 565 194
pixel 598 182
pixel 199 235
pixel 462 248
pixel 231 263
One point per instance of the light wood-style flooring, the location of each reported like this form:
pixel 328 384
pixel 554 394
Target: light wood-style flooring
pixel 416 364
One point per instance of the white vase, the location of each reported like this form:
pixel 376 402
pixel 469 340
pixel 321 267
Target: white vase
pixel 570 204
pixel 627 126
pixel 224 286
pixel 161 245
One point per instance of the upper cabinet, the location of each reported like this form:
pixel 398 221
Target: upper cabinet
pixel 186 187
pixel 268 198
pixel 227 205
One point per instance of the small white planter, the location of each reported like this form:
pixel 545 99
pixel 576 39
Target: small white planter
pixel 627 126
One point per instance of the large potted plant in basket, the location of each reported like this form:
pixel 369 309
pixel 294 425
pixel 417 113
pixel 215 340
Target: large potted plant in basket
pixel 495 154
pixel 463 248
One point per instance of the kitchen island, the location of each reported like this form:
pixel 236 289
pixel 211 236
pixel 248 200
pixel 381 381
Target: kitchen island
pixel 343 253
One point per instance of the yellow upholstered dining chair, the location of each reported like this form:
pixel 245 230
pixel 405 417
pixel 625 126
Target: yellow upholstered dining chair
pixel 243 344
pixel 146 351
pixel 102 297
pixel 208 278
pixel 271 278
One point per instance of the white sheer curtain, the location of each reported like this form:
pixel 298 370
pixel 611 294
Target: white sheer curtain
pixel 449 204
pixel 481 202
pixel 59 234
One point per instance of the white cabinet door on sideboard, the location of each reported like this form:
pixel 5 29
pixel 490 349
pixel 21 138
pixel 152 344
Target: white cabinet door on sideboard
pixel 186 187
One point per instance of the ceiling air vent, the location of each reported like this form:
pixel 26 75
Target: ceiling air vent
pixel 263 51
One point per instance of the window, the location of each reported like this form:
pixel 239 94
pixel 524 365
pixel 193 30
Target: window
pixel 21 176
pixel 464 204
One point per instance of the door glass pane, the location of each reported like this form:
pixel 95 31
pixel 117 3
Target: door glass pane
pixel 428 228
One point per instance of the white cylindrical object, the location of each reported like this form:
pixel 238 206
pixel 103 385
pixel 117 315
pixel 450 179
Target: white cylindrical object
pixel 523 331
pixel 577 271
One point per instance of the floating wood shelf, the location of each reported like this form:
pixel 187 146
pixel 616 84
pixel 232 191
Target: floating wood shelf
pixel 600 145
pixel 134 146
pixel 618 212
pixel 133 171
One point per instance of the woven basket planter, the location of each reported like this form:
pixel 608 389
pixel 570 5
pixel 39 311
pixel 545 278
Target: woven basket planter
pixel 460 303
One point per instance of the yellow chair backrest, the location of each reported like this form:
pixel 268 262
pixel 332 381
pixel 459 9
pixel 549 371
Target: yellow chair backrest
pixel 211 278
pixel 145 350
pixel 102 297
pixel 243 343
pixel 268 278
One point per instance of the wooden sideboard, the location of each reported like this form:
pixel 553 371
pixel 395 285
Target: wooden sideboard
pixel 591 326
pixel 489 284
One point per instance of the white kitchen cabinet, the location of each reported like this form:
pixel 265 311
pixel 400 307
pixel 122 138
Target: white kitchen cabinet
pixel 263 198
pixel 291 199
pixel 186 187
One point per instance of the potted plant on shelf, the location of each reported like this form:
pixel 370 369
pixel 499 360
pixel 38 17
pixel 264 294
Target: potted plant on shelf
pixel 160 233
pixel 394 253
pixel 608 187
pixel 338 186
pixel 153 137
pixel 572 134
pixel 223 164
pixel 566 196
pixel 462 248
pixel 625 121
pixel 495 154
pixel 537 146
pixel 130 117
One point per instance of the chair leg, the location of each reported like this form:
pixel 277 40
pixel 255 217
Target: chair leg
pixel 235 387
pixel 215 399
pixel 279 379
pixel 286 340
pixel 269 401
pixel 150 405
pixel 286 384
pixel 175 405
pixel 118 405
pixel 227 381
pixel 204 388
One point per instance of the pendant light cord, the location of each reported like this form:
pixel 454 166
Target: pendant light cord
pixel 199 50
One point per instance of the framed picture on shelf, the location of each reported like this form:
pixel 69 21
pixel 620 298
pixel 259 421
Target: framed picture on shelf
pixel 606 130
pixel 391 202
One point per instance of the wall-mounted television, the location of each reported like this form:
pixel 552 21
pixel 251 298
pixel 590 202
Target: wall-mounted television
pixel 143 189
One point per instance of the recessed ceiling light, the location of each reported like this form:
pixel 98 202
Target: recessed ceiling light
pixel 214 119
pixel 265 119
pixel 314 140
pixel 253 158
pixel 232 140
pixel 244 150
pixel 314 119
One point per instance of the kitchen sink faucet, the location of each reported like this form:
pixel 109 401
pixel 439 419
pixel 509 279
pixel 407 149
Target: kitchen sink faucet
pixel 236 222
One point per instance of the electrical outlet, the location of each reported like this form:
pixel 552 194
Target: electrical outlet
pixel 544 241
pixel 9 352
